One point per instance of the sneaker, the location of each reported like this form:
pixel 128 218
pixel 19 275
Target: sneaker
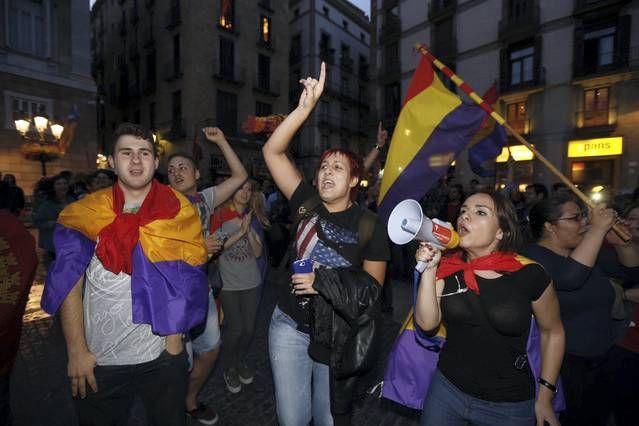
pixel 232 380
pixel 244 373
pixel 204 415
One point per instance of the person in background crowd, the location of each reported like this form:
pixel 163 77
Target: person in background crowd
pixel 18 194
pixel 560 188
pixel 624 357
pixel 18 263
pixel 46 214
pixel 101 179
pixel 183 175
pixel 568 246
pixel 454 201
pixel 241 222
pixel 474 186
pixel 479 380
pixel 308 330
pixel 382 138
pixel 128 282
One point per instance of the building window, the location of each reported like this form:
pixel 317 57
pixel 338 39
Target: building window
pixel 296 13
pixel 152 116
pixel 150 68
pixel 27 27
pixel 227 58
pixel 23 106
pixel 516 117
pixel 295 54
pixel 325 10
pixel 596 107
pixel 392 101
pixel 263 109
pixel 265 29
pixel 227 14
pixel 176 110
pixel 326 52
pixel 362 37
pixel 391 57
pixel 345 24
pixel 263 72
pixel 522 65
pixel 176 54
pixel 599 48
pixel 226 104
pixel 363 67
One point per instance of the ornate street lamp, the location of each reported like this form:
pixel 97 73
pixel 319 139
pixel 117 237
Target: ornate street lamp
pixel 42 139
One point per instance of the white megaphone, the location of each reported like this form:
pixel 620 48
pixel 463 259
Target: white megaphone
pixel 407 223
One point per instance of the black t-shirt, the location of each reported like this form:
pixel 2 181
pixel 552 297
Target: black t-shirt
pixel 486 334
pixel 331 240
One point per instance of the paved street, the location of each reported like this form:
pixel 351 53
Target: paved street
pixel 41 393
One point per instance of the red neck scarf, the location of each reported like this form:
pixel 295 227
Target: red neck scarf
pixel 117 240
pixel 224 214
pixel 498 262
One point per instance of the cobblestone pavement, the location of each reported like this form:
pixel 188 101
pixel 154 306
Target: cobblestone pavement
pixel 41 392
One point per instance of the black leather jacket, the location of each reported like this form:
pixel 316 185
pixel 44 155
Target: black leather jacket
pixel 345 319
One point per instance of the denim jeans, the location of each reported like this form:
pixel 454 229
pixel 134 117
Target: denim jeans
pixel 301 384
pixel 446 405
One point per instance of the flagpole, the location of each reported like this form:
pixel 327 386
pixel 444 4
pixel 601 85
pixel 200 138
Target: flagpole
pixel 623 234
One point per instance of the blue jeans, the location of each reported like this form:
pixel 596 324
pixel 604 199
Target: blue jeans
pixel 446 405
pixel 301 384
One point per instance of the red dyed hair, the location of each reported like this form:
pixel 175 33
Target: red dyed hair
pixel 354 161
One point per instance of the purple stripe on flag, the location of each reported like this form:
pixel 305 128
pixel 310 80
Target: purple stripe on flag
pixel 450 137
pixel 73 254
pixel 171 296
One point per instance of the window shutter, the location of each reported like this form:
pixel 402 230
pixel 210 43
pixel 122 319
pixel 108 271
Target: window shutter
pixel 503 70
pixel 622 43
pixel 538 68
pixel 578 52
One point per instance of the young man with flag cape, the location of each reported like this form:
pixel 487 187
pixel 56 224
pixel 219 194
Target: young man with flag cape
pixel 128 281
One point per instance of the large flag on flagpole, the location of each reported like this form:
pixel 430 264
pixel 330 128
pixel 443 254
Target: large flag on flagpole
pixel 434 125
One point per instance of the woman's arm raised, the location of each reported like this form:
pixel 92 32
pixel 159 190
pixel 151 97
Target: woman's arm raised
pixel 283 170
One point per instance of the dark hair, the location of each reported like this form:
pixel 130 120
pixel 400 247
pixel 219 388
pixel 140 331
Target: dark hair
pixel 548 210
pixel 105 172
pixel 9 178
pixel 508 223
pixel 354 160
pixel 558 185
pixel 6 195
pixel 50 189
pixel 539 188
pixel 185 156
pixel 135 130
pixel 629 208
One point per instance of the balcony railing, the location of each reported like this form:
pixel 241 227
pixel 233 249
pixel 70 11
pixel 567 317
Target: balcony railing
pixel 391 29
pixel 173 16
pixel 269 86
pixel 603 63
pixel 600 117
pixel 235 75
pixel 528 23
pixel 121 61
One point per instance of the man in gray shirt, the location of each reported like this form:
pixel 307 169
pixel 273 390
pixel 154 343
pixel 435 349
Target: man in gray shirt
pixel 128 286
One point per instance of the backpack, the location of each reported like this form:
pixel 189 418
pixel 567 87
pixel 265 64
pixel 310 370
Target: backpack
pixel 365 227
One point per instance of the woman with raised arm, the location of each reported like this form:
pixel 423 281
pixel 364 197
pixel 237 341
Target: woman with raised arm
pixel 324 322
pixel 484 376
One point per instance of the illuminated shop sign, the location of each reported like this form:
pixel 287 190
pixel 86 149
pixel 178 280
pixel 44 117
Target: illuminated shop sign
pixel 595 147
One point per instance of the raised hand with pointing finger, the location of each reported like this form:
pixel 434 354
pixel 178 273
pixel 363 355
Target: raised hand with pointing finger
pixel 312 90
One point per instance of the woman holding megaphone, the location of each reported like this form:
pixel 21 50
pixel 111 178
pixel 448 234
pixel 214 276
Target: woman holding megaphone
pixel 485 295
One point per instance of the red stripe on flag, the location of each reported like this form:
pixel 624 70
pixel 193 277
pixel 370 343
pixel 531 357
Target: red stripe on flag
pixel 466 88
pixel 422 78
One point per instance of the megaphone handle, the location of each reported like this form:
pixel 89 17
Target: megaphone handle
pixel 421 266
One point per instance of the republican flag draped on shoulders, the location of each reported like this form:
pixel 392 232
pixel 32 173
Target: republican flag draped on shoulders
pixel 434 125
pixel 161 247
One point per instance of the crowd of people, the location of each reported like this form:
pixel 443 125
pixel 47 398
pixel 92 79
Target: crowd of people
pixel 139 274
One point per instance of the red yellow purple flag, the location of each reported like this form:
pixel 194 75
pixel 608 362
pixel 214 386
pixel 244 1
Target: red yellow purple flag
pixel 434 125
